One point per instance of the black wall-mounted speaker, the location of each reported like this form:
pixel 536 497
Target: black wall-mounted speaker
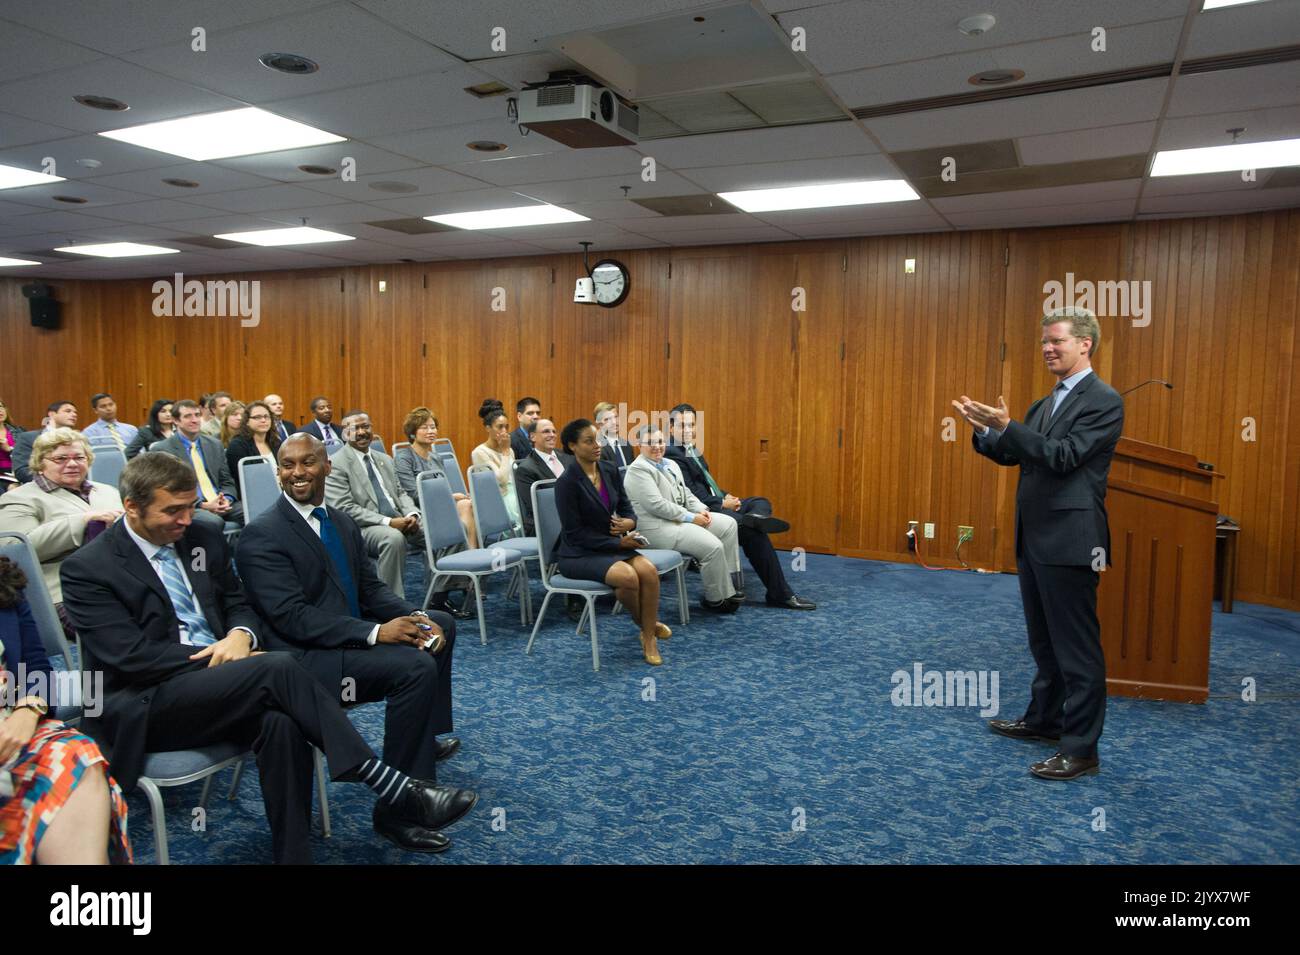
pixel 45 312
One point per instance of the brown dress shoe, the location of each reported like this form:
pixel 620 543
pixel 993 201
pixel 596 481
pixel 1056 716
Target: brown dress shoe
pixel 1017 729
pixel 1062 766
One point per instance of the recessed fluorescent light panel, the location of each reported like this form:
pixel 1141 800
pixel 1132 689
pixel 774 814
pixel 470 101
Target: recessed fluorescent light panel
pixel 117 250
pixel 1216 4
pixel 11 177
pixel 5 263
pixel 1234 158
pixel 508 218
pixel 299 235
pixel 236 132
pixel 821 197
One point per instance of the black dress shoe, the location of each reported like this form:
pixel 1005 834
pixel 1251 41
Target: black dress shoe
pixel 794 603
pixel 1017 729
pixel 447 748
pixel 1062 766
pixel 762 522
pixel 722 606
pixel 446 606
pixel 405 835
pixel 574 607
pixel 432 806
pixel 739 597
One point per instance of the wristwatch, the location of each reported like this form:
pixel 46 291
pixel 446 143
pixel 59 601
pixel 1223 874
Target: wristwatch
pixel 36 705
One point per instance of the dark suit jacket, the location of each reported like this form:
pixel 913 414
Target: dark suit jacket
pixel 128 627
pixel 22 644
pixel 214 460
pixel 312 427
pixel 293 583
pixel 520 442
pixel 1061 497
pixel 240 448
pixel 528 471
pixel 584 519
pixel 609 452
pixel 694 477
pixel 22 453
pixel 144 437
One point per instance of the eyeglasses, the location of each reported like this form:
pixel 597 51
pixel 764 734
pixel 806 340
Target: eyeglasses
pixel 64 460
pixel 259 417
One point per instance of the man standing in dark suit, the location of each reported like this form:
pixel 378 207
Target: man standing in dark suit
pixel 1063 449
pixel 162 615
pixel 308 575
pixel 541 463
pixel 218 497
pixel 527 410
pixel 753 515
pixel 320 427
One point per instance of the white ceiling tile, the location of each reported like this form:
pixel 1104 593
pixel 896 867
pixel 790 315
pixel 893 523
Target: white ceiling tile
pixel 60 221
pixel 1224 203
pixel 283 166
pixel 850 217
pixel 128 232
pixel 132 24
pixel 1077 145
pixel 1254 26
pixel 388 106
pixel 764 233
pixel 1209 182
pixel 452 202
pixel 782 143
pixel 1113 210
pixel 770 175
pixel 519 69
pixel 445 145
pixel 604 188
pixel 113 156
pixel 25 52
pixel 209 176
pixel 836 230
pixel 43 196
pixel 854 35
pixel 611 209
pixel 655 224
pixel 427 181
pixel 1114 105
pixel 152 97
pixel 350 45
pixel 16 130
pixel 338 216
pixel 1260 125
pixel 564 164
pixel 1041 198
pixel 264 200
pixel 150 211
pixel 1252 87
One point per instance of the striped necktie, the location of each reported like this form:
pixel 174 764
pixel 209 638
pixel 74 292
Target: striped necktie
pixel 112 430
pixel 199 633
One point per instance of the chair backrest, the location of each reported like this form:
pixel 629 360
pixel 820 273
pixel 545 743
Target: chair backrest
pixel 443 446
pixel 399 445
pixel 19 549
pixel 107 466
pixel 455 477
pixel 490 514
pixel 442 527
pixel 157 445
pixel 546 520
pixel 378 444
pixel 258 487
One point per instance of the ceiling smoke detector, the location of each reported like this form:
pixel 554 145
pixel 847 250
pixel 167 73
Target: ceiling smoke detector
pixel 182 183
pixel 288 63
pixel 315 170
pixel 101 102
pixel 996 77
pixel 977 25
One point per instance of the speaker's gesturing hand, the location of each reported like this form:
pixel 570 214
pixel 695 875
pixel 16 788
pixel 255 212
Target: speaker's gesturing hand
pixel 984 416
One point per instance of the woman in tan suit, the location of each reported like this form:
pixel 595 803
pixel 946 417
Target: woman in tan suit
pixel 60 509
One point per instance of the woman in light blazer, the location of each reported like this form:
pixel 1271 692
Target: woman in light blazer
pixel 673 518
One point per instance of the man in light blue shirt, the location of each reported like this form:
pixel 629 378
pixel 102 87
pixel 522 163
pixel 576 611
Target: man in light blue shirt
pixel 107 429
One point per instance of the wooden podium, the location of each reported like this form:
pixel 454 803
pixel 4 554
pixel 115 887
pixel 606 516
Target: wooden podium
pixel 1154 600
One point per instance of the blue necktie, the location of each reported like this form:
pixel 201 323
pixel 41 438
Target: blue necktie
pixel 329 536
pixel 200 634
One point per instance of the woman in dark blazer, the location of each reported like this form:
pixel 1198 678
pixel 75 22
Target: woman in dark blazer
pixel 596 541
pixel 158 428
pixel 256 438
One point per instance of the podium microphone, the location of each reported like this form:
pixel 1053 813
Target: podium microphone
pixel 1149 381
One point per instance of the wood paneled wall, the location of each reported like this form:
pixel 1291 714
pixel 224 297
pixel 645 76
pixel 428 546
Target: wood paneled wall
pixel 837 412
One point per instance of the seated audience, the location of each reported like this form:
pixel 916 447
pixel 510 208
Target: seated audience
pixel 320 426
pixel 213 412
pixel 163 616
pixel 612 446
pixel 218 497
pixel 61 509
pixel 278 425
pixel 752 514
pixel 596 541
pixel 58 804
pixel 8 438
pixel 232 419
pixel 526 410
pixel 60 414
pixel 159 427
pixel 542 463
pixel 421 429
pixel 498 454
pixel 256 438
pixel 673 518
pixel 106 429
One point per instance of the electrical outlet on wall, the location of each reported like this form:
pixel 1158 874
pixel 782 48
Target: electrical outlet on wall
pixel 965 533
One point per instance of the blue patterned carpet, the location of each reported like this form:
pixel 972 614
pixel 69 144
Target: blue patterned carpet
pixel 768 718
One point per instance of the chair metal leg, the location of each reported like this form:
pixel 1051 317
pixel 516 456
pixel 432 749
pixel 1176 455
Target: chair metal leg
pixel 538 622
pixel 595 643
pixel 428 594
pixel 682 608
pixel 159 819
pixel 582 621
pixel 521 579
pixel 319 758
pixel 234 782
pixel 203 796
pixel 478 602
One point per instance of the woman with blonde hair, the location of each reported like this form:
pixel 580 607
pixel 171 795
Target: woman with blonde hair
pixel 232 420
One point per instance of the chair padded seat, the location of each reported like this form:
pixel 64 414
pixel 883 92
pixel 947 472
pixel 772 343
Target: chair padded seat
pixel 478 560
pixel 187 762
pixel 664 560
pixel 527 546
pixel 560 582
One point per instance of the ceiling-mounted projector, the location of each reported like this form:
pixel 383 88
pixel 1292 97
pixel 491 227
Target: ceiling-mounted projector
pixel 579 114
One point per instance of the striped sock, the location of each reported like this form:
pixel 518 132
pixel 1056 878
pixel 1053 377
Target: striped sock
pixel 386 782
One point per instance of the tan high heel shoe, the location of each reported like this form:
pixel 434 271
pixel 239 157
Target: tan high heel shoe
pixel 662 631
pixel 651 652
